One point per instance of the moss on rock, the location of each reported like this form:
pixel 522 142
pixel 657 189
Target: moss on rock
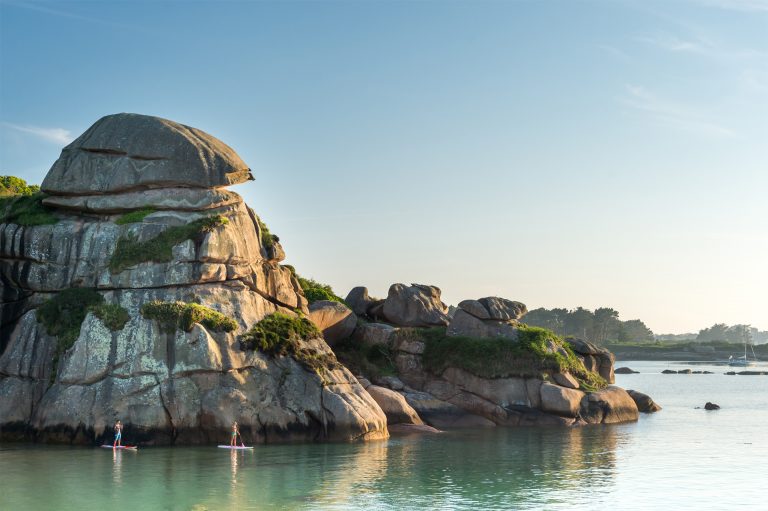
pixel 129 251
pixel 184 315
pixel 536 351
pixel 284 335
pixel 134 216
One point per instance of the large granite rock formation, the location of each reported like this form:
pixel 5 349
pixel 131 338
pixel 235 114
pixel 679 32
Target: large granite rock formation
pixel 457 397
pixel 166 385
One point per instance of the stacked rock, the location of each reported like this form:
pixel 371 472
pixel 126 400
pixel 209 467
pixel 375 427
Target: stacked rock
pixel 144 218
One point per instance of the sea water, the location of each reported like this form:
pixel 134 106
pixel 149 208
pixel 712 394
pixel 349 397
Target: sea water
pixel 681 457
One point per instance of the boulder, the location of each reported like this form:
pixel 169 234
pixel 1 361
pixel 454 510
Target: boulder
pixel 503 309
pixel 126 152
pixel 394 405
pixel 475 308
pixel 644 402
pixel 560 400
pixel 464 324
pixel 625 370
pixel 411 429
pixel 608 406
pixel 669 371
pixel 390 382
pixel 443 415
pixel 566 380
pixel 335 320
pixel 374 334
pixel 711 406
pixel 359 301
pixel 415 305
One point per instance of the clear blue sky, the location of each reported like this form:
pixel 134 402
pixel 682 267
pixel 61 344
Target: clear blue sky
pixel 558 153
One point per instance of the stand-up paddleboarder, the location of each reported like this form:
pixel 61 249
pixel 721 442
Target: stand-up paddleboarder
pixel 118 434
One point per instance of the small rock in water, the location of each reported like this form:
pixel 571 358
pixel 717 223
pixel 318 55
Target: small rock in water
pixel 684 371
pixel 711 406
pixel 668 371
pixel 625 370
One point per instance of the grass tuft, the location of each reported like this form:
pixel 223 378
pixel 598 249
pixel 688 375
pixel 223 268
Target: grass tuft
pixel 112 315
pixel 130 252
pixel 371 361
pixel 267 238
pixel 27 210
pixel 284 335
pixel 134 216
pixel 183 316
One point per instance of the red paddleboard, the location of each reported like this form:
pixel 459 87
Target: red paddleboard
pixel 129 447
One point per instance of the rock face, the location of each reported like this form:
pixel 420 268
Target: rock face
pixel 415 305
pixel 335 320
pixel 608 406
pixel 167 386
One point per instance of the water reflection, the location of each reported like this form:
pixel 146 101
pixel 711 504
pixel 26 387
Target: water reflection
pixel 117 467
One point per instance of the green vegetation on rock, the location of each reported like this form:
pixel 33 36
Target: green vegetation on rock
pixel 129 251
pixel 372 361
pixel 282 334
pixel 267 238
pixel 183 316
pixel 314 291
pixel 111 314
pixel 63 315
pixel 22 204
pixel 134 216
pixel 536 351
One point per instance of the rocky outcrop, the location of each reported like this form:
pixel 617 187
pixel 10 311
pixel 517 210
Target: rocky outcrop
pixel 184 240
pixel 415 305
pixel 487 318
pixel 359 301
pixel 644 402
pixel 335 320
pixel 625 370
pixel 595 358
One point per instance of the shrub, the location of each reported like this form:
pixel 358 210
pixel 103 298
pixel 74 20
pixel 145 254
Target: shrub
pixel 26 210
pixel 315 291
pixel 12 185
pixel 370 361
pixel 112 315
pixel 183 316
pixel 129 251
pixel 530 355
pixel 63 314
pixel 267 238
pixel 284 335
pixel 134 216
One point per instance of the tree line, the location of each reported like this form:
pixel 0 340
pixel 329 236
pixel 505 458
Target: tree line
pixel 599 326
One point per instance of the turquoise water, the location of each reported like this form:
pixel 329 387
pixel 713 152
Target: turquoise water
pixel 680 457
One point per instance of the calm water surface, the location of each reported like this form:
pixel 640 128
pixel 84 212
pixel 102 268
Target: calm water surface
pixel 680 457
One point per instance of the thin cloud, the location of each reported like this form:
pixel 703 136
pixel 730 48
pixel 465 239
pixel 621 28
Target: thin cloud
pixel 54 135
pixel 45 9
pixel 701 46
pixel 672 114
pixel 736 5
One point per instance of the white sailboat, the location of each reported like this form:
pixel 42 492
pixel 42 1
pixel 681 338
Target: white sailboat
pixel 744 361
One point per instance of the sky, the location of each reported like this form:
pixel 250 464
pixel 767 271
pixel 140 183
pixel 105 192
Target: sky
pixel 559 153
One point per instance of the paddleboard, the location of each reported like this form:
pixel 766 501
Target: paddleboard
pixel 129 447
pixel 235 447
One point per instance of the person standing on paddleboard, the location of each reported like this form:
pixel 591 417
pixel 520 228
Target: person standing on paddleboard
pixel 118 434
pixel 235 434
